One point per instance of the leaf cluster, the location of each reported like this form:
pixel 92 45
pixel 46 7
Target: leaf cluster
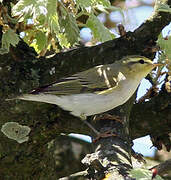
pixel 51 24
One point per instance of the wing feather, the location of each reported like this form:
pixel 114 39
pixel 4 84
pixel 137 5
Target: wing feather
pixel 95 80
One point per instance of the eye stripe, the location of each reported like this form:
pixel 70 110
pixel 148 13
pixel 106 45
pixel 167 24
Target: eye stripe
pixel 141 61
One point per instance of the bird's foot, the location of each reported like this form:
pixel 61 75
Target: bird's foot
pixel 100 135
pixel 109 117
pixel 104 135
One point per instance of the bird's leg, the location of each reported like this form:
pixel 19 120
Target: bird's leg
pixel 99 135
pixel 107 133
pixel 84 119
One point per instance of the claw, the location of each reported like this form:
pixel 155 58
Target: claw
pixel 104 135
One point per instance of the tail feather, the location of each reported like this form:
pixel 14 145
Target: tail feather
pixel 62 101
pixel 47 98
pixel 11 99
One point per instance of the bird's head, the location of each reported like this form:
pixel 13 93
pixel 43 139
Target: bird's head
pixel 137 65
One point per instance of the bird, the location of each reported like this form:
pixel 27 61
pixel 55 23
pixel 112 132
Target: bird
pixel 96 90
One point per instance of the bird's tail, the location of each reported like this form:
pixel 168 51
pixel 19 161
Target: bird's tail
pixel 10 99
pixel 47 98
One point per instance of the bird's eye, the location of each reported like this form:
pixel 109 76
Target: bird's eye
pixel 141 61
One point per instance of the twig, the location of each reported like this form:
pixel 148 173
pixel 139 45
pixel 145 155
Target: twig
pixel 163 168
pixel 121 29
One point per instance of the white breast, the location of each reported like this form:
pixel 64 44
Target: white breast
pixel 90 104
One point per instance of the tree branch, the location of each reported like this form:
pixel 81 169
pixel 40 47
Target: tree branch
pixel 163 168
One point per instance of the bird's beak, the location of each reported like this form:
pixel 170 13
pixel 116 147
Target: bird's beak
pixel 157 64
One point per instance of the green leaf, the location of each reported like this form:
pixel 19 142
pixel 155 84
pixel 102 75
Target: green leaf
pixel 90 5
pixel 41 40
pixel 143 174
pixel 37 10
pixel 52 17
pixel 99 31
pixel 68 27
pixel 63 41
pixel 87 5
pixel 102 5
pixel 105 3
pixel 165 45
pixel 63 24
pixel 9 38
pixel 71 29
pixel 28 9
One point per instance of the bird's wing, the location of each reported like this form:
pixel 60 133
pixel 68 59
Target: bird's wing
pixel 95 80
